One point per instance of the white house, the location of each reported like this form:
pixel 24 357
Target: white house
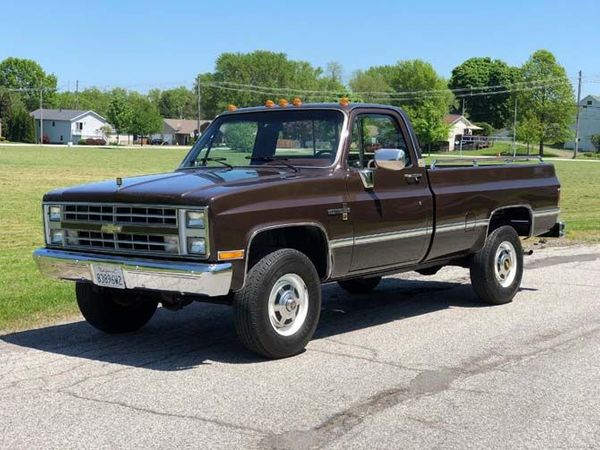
pixel 459 127
pixel 61 126
pixel 589 123
pixel 180 131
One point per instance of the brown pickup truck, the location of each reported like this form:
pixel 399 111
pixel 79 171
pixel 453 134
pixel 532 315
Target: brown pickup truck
pixel 273 201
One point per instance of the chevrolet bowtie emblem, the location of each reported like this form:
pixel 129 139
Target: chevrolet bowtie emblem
pixel 111 228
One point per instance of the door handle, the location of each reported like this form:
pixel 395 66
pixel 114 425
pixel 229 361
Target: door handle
pixel 413 177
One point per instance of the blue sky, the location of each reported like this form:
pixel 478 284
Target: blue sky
pixel 142 44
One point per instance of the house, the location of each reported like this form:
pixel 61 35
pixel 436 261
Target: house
pixel 589 124
pixel 180 131
pixel 459 126
pixel 61 126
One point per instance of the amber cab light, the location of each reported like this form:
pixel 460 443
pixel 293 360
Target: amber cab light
pixel 269 103
pixel 231 107
pixel 283 102
pixel 296 101
pixel 344 101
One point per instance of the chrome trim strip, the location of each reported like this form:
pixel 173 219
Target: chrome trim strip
pixel 546 212
pixel 185 277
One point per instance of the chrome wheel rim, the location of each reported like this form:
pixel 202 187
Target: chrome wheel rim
pixel 505 264
pixel 288 304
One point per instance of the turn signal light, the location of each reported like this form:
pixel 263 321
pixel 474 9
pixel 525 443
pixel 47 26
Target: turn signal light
pixel 229 255
pixel 269 103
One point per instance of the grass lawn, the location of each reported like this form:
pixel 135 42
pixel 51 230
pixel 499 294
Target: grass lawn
pixel 26 172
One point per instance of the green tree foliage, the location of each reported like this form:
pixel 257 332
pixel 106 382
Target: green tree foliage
pixel 426 110
pixel 286 77
pixel 17 123
pixel 88 99
pixel 240 136
pixel 178 103
pixel 478 72
pixel 596 141
pixel 18 73
pixel 486 128
pixel 550 109
pixel 120 113
pixel 145 118
pixel 528 131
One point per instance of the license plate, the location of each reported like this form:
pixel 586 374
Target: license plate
pixel 111 277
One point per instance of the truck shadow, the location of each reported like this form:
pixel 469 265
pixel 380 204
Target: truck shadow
pixel 204 333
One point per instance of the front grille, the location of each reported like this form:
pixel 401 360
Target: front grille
pixel 121 214
pixel 121 228
pixel 147 243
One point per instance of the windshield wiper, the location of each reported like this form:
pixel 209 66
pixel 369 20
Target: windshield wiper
pixel 219 160
pixel 283 161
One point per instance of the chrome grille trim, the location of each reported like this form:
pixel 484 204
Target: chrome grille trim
pixel 142 229
pixel 120 214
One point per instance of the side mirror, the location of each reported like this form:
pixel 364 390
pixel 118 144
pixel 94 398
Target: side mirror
pixel 390 158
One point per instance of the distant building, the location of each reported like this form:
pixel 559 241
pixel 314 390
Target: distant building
pixel 180 131
pixel 459 126
pixel 61 126
pixel 589 123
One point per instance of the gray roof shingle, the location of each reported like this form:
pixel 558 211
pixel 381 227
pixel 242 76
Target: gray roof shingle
pixel 60 114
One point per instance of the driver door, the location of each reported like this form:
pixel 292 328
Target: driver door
pixel 392 220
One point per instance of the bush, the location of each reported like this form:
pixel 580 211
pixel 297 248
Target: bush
pixel 81 142
pixel 92 141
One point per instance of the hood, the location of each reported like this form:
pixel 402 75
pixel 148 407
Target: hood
pixel 196 186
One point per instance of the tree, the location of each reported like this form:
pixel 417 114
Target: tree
pixel 417 88
pixel 119 112
pixel 528 131
pixel 474 73
pixel 26 74
pixel 145 118
pixel 252 72
pixel 178 103
pixel 89 99
pixel 596 141
pixel 18 125
pixel 549 103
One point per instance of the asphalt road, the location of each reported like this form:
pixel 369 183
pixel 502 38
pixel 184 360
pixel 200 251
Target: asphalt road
pixel 420 363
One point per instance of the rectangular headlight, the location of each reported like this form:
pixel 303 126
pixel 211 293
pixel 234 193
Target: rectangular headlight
pixel 54 213
pixel 196 245
pixel 56 237
pixel 194 219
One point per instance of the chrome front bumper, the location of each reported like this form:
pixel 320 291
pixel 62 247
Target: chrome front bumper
pixel 185 277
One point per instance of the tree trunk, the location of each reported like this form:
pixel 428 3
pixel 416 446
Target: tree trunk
pixel 541 148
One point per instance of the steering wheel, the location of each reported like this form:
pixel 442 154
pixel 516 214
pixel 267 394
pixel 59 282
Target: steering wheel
pixel 324 152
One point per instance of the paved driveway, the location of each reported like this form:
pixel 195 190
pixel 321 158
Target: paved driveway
pixel 417 364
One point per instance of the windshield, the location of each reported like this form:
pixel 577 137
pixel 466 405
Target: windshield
pixel 284 137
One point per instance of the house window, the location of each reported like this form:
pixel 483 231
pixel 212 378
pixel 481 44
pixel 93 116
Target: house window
pixel 53 123
pixel 79 126
pixel 61 138
pixel 589 102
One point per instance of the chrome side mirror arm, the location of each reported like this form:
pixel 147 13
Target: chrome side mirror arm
pixel 367 176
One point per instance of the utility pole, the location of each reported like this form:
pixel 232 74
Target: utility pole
pixel 576 148
pixel 198 94
pixel 515 130
pixel 463 106
pixel 77 94
pixel 41 116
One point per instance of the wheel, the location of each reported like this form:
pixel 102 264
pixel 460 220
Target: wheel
pixel 277 312
pixel 360 285
pixel 114 310
pixel 497 269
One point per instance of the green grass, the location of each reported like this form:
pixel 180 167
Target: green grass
pixel 26 172
pixel 502 149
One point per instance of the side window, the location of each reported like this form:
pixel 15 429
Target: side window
pixel 371 132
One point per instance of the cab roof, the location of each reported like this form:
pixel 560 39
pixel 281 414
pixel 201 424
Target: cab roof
pixel 309 106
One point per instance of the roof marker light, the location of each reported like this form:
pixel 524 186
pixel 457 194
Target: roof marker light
pixel 296 101
pixel 231 107
pixel 269 103
pixel 344 101
pixel 283 102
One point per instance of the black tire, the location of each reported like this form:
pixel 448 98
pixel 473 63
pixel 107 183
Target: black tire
pixel 486 283
pixel 251 305
pixel 114 310
pixel 360 285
